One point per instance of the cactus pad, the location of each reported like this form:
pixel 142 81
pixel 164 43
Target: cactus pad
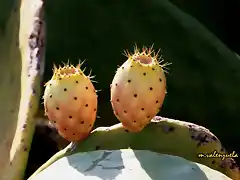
pixel 127 164
pixel 162 135
pixel 22 53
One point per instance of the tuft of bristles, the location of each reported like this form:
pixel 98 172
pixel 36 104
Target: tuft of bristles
pixel 149 52
pixel 68 70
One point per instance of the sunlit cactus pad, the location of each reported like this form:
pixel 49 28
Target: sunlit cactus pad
pixel 162 135
pixel 127 164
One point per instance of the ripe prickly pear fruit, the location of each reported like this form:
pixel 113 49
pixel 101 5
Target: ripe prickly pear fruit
pixel 70 102
pixel 138 89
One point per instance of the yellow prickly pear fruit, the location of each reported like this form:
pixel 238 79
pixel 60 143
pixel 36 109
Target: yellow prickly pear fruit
pixel 138 89
pixel 70 102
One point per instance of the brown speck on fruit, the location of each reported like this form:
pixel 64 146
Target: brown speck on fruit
pixel 86 105
pixel 144 74
pixel 57 108
pixel 129 81
pixel 50 96
pixel 81 73
pixel 24 126
pixel 153 69
pixel 86 87
pixel 74 134
pixel 131 66
pixel 75 98
pixel 117 100
pixel 122 67
pixel 116 84
pixel 125 111
pixel 134 121
pixel 160 79
pixel 142 109
pixel 65 89
pixel 65 129
pixel 156 102
pixel 25 149
pixel 76 81
pixel 50 84
pixel 148 116
pixel 151 88
pixel 126 130
pixel 90 125
pixel 70 117
pixel 60 78
pixel 94 109
pixel 82 122
pixel 54 122
pixel 135 95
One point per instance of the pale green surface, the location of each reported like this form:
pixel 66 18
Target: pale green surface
pixel 20 86
pixel 116 137
pixel 127 164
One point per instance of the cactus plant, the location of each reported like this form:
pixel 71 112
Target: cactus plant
pixel 198 57
pixel 127 164
pixel 22 57
pixel 138 89
pixel 162 135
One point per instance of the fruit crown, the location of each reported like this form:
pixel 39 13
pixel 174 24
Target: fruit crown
pixel 147 57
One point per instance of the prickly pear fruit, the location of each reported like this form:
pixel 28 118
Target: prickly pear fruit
pixel 70 102
pixel 138 89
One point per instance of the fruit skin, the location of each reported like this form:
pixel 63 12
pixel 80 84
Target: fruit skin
pixel 70 102
pixel 138 89
pixel 162 135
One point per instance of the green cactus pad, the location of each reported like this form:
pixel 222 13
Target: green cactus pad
pixel 162 135
pixel 21 56
pixel 127 164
